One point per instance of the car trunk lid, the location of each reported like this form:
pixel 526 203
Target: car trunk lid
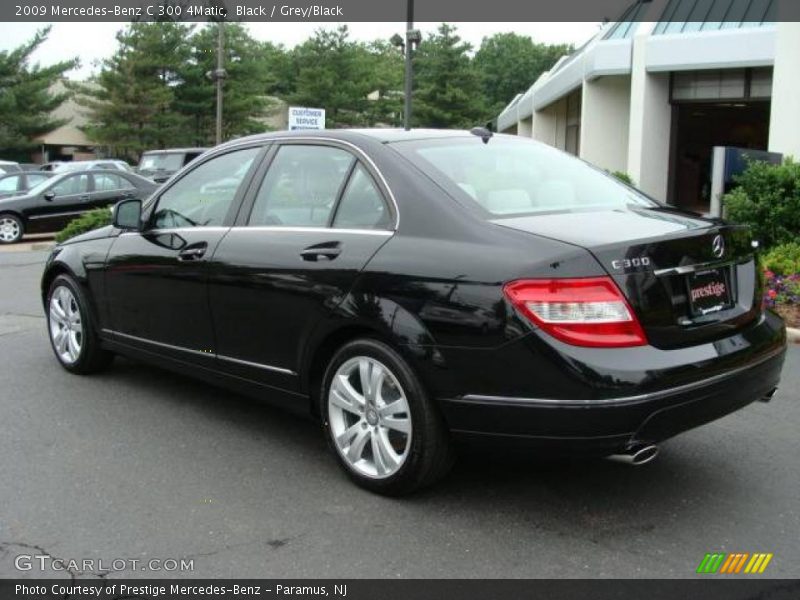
pixel 689 279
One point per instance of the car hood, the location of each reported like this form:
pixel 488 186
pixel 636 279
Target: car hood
pixel 94 234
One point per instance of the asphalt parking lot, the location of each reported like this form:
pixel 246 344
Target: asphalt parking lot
pixel 137 463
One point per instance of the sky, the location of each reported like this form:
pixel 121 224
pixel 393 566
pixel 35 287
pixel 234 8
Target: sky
pixel 95 41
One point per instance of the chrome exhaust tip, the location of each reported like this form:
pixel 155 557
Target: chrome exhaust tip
pixel 637 455
pixel 768 396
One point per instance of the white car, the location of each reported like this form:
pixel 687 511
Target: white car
pixel 82 165
pixel 7 166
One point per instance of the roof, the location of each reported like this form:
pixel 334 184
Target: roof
pixel 383 135
pixel 173 150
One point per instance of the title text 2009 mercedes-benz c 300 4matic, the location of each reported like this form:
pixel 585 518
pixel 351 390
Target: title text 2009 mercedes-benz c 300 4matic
pixel 410 288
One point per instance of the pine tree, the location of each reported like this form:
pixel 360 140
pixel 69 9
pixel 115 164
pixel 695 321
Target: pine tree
pixel 132 101
pixel 447 87
pixel 246 87
pixel 26 99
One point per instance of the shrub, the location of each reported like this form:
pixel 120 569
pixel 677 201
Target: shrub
pixel 783 260
pixel 767 198
pixel 780 290
pixel 99 217
pixel 623 177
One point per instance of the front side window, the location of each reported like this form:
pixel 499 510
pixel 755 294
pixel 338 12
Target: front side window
pixel 75 184
pixel 204 195
pixel 517 177
pixel 362 205
pixel 301 186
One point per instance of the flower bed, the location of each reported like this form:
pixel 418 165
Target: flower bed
pixel 782 294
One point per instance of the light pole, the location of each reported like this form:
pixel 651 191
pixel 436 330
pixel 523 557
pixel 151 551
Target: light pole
pixel 218 76
pixel 407 45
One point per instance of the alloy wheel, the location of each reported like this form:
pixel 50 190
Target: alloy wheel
pixel 369 417
pixel 66 328
pixel 9 229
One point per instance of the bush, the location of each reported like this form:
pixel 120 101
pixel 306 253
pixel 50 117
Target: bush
pixel 783 259
pixel 767 198
pixel 623 177
pixel 94 219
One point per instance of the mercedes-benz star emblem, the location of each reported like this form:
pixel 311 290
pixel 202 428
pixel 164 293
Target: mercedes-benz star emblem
pixel 718 246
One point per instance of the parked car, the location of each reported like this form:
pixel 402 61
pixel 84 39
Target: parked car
pixel 51 166
pixel 54 202
pixel 160 165
pixel 84 165
pixel 330 280
pixel 16 184
pixel 7 166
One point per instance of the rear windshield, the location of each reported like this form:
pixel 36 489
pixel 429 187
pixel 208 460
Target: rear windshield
pixel 162 162
pixel 509 176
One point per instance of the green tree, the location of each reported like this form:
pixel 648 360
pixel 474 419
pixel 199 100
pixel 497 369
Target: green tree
pixel 509 62
pixel 132 101
pixel 338 74
pixel 27 100
pixel 249 79
pixel 447 87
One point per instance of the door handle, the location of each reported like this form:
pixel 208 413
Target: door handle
pixel 193 252
pixel 84 197
pixel 326 250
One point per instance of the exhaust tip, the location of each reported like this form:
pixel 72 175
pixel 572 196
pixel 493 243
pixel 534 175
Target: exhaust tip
pixel 768 396
pixel 637 455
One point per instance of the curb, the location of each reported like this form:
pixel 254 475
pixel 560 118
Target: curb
pixel 43 246
pixel 793 335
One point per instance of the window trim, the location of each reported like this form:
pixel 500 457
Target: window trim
pixel 263 147
pixel 361 156
pixel 346 186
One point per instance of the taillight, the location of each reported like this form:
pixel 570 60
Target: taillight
pixel 588 311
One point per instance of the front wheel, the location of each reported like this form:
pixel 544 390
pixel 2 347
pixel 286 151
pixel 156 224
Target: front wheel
pixel 380 422
pixel 72 333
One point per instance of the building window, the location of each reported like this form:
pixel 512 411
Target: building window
pixel 727 84
pixel 573 139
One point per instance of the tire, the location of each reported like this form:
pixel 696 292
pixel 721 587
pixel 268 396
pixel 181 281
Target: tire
pixel 11 229
pixel 71 329
pixel 391 441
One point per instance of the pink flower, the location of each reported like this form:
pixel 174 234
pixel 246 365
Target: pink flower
pixel 769 274
pixel 772 294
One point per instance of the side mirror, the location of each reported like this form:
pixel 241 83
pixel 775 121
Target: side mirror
pixel 128 215
pixel 49 195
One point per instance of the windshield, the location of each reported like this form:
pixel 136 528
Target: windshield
pixel 508 176
pixel 161 162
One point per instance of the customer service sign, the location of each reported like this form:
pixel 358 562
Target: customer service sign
pixel 306 118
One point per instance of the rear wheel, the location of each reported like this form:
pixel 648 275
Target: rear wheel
pixel 380 422
pixel 72 334
pixel 11 229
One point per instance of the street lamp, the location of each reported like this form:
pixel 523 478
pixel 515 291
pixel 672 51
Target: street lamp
pixel 218 76
pixel 407 46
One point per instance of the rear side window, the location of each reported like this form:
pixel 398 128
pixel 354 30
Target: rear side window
pixel 9 184
pixel 517 177
pixel 107 182
pixel 301 186
pixel 362 205
pixel 204 195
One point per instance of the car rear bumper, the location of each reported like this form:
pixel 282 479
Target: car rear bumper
pixel 608 425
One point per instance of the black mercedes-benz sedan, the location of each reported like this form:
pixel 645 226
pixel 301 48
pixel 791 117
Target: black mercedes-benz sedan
pixel 57 200
pixel 413 288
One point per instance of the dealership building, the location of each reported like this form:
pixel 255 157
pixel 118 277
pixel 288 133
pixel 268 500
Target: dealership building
pixel 652 94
